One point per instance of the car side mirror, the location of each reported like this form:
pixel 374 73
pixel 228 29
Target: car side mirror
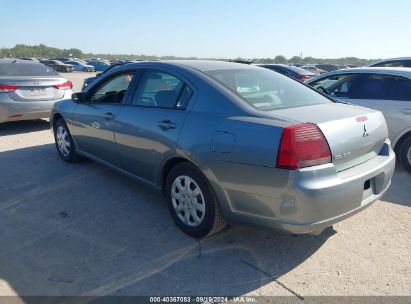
pixel 79 97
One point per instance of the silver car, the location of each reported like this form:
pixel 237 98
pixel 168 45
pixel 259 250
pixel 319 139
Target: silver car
pixel 385 89
pixel 227 142
pixel 393 62
pixel 29 89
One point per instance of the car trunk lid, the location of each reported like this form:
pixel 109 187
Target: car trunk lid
pixel 34 88
pixel 354 134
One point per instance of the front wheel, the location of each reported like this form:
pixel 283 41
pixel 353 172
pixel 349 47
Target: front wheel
pixel 405 154
pixel 64 142
pixel 192 202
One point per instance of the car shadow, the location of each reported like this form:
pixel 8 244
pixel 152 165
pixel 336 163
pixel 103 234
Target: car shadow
pixel 83 229
pixel 400 190
pixel 24 126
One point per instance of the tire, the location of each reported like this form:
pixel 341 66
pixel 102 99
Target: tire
pixel 404 153
pixel 202 204
pixel 62 137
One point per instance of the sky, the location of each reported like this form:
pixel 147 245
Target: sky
pixel 213 28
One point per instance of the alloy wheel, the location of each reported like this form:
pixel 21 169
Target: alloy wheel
pixel 63 141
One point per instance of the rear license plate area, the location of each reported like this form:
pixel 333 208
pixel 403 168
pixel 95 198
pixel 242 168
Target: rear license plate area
pixel 37 92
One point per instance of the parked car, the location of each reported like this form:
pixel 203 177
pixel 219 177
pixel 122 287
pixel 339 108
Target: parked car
pixel 79 66
pixel 29 89
pixel 230 142
pixel 313 69
pixel 393 62
pixel 89 80
pixel 29 59
pixel 58 66
pixel 62 59
pixel 290 71
pixel 99 65
pixel 385 89
pixel 342 66
pixel 327 67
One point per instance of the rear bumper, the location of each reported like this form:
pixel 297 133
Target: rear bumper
pixel 11 110
pixel 302 201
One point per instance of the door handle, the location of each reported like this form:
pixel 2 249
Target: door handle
pixel 166 124
pixel 109 116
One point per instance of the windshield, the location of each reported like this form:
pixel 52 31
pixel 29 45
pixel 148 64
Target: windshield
pixel 25 69
pixel 266 90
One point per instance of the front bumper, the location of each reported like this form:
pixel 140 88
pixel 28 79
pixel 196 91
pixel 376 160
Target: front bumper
pixel 301 201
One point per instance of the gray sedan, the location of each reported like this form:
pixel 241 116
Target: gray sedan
pixel 29 89
pixel 228 142
pixel 385 89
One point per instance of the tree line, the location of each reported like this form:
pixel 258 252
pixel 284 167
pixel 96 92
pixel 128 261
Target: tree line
pixel 43 51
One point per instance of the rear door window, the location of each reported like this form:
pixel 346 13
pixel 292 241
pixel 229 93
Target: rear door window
pixel 381 87
pixel 162 90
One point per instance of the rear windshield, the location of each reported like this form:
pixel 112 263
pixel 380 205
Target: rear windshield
pixel 266 90
pixel 25 69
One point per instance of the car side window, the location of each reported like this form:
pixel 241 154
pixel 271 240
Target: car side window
pixel 382 87
pixel 336 86
pixel 113 90
pixel 185 96
pixel 162 90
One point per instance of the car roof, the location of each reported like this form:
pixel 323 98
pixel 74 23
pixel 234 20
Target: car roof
pixel 405 72
pixel 199 65
pixel 206 65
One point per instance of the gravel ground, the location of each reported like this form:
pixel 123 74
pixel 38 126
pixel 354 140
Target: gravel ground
pixel 83 229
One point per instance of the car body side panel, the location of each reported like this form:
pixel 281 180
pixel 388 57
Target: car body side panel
pixel 93 132
pixel 141 143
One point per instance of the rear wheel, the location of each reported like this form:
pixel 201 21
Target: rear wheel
pixel 64 142
pixel 405 153
pixel 192 202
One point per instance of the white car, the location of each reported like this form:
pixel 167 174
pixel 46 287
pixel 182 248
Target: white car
pixel 393 62
pixel 385 89
pixel 80 66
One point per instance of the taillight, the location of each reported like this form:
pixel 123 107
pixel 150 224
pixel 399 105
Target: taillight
pixel 68 85
pixel 5 88
pixel 302 146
